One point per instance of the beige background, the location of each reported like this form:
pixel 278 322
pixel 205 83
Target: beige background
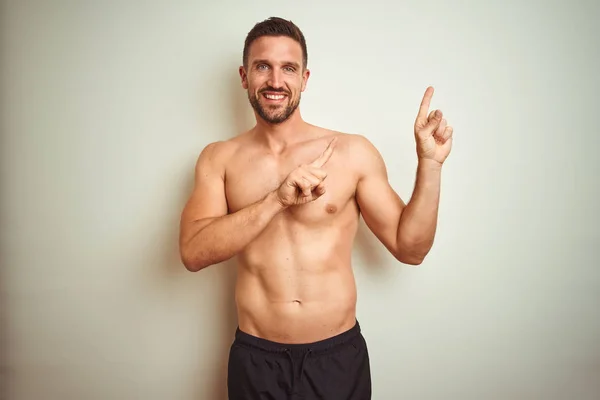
pixel 106 105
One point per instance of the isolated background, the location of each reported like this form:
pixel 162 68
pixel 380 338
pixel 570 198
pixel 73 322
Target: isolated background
pixel 106 105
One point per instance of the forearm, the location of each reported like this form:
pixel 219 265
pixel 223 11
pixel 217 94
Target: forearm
pixel 224 237
pixel 418 220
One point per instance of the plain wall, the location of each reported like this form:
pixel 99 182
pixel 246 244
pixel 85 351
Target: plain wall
pixel 105 107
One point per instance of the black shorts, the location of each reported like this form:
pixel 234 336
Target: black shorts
pixel 336 368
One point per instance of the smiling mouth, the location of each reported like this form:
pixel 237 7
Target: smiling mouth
pixel 274 97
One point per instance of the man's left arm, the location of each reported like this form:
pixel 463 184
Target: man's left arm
pixel 406 230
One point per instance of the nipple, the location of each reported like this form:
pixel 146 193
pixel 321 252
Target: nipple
pixel 330 208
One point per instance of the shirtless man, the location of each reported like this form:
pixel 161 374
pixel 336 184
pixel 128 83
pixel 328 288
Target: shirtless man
pixel 284 198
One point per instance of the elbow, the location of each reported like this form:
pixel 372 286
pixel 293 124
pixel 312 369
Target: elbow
pixel 410 259
pixel 192 264
pixel 412 254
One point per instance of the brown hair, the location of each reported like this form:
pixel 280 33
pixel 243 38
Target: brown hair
pixel 275 26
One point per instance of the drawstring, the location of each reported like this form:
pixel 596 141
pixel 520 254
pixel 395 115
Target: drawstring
pixel 302 365
pixel 289 353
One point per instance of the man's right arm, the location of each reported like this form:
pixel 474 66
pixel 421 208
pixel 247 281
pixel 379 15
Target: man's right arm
pixel 208 235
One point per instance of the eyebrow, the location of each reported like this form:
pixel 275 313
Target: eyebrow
pixel 292 63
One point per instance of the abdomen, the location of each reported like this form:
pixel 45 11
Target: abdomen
pixel 296 283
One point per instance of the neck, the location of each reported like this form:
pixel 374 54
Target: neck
pixel 279 136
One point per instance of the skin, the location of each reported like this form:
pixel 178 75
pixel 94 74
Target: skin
pixel 285 197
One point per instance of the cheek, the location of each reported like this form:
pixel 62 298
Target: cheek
pixel 254 82
pixel 254 87
pixel 296 86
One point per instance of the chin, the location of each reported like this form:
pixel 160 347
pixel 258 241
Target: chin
pixel 274 115
pixel 276 120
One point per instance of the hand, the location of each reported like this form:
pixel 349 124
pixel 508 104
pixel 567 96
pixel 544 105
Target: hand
pixel 305 183
pixel 432 134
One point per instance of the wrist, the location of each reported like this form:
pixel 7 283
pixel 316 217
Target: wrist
pixel 429 164
pixel 272 199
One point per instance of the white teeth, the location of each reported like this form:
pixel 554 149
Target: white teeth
pixel 274 97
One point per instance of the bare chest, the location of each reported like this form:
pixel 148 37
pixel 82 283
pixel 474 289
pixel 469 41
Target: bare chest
pixel 248 181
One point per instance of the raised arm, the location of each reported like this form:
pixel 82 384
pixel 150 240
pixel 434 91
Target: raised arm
pixel 407 230
pixel 208 235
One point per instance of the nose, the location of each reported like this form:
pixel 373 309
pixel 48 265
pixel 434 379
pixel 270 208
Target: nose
pixel 276 79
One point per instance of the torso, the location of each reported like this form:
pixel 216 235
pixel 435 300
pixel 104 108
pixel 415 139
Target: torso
pixel 295 281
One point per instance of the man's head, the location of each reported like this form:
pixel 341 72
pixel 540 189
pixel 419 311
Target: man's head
pixel 274 68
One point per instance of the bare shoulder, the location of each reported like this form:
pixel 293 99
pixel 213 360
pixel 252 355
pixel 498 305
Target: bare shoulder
pixel 359 153
pixel 361 145
pixel 215 155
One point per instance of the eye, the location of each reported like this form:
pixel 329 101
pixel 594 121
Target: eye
pixel 261 67
pixel 290 69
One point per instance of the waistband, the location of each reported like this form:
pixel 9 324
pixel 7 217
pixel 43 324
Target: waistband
pixel 321 345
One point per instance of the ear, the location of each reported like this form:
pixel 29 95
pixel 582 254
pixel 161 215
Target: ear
pixel 244 77
pixel 305 77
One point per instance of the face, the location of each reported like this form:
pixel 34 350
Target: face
pixel 274 77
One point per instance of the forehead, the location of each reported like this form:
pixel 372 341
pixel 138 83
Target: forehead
pixel 276 49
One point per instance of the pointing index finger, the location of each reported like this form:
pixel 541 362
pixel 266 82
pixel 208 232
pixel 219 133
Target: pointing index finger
pixel 424 108
pixel 326 155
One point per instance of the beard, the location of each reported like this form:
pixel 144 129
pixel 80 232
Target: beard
pixel 274 114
